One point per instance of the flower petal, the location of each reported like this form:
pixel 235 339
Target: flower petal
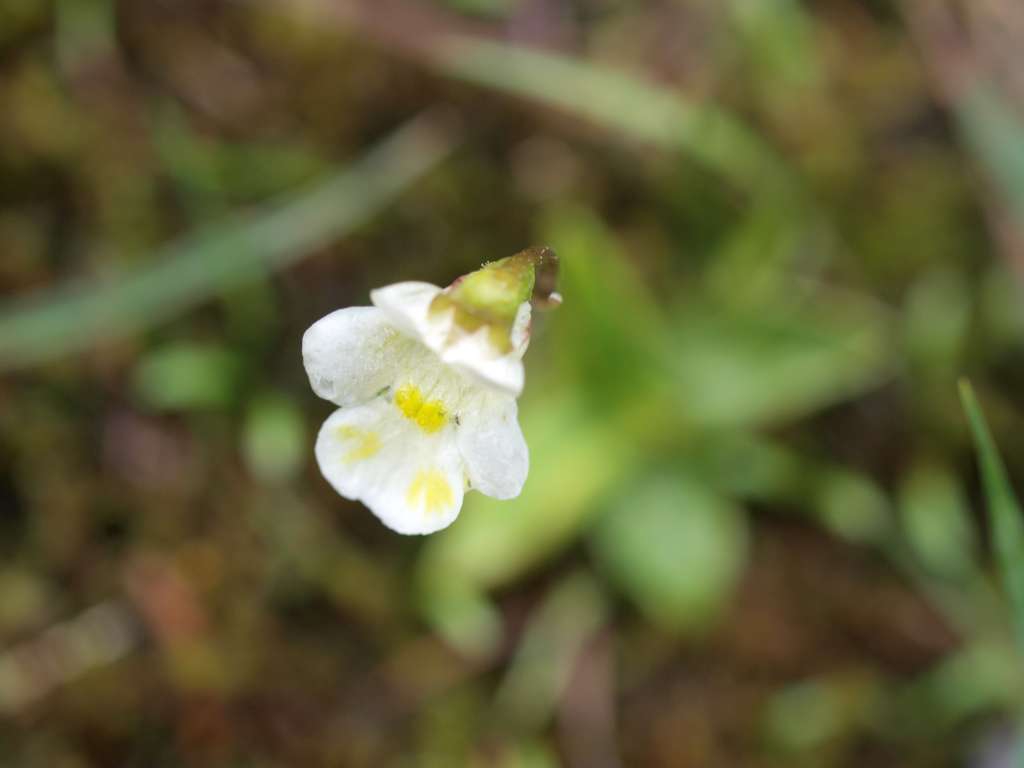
pixel 474 355
pixel 407 306
pixel 351 354
pixel 493 447
pixel 413 481
pixel 520 335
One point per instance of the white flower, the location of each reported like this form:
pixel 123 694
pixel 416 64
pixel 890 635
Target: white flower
pixel 427 407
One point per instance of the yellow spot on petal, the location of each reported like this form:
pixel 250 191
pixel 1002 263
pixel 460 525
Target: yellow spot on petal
pixel 409 400
pixel 429 415
pixel 431 491
pixel 368 443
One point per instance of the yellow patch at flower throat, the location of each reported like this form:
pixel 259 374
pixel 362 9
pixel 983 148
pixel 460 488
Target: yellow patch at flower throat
pixel 430 490
pixel 368 443
pixel 428 415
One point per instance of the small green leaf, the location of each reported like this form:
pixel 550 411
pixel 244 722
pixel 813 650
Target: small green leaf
pixel 935 518
pixel 675 548
pixel 1003 507
pixel 852 506
pixel 274 438
pixel 188 376
pixel 977 679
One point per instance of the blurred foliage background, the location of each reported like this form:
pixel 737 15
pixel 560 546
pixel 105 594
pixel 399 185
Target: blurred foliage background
pixel 754 533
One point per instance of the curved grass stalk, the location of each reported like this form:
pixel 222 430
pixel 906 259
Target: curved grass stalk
pixel 68 319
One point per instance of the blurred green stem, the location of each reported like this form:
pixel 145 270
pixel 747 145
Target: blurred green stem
pixel 1003 508
pixel 621 101
pixel 68 319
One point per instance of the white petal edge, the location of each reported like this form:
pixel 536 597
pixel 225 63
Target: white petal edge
pixel 520 335
pixel 407 305
pixel 414 483
pixel 493 448
pixel 474 356
pixel 351 354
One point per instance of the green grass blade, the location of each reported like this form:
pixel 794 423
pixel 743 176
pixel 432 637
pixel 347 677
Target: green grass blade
pixel 995 134
pixel 639 109
pixel 197 267
pixel 1004 509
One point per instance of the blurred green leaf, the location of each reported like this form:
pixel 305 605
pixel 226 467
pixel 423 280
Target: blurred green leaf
pixel 778 37
pixel 675 548
pixel 802 716
pixel 459 611
pixel 810 714
pixel 757 260
pixel 84 31
pixel 852 506
pixel 613 334
pixel 575 461
pixel 554 638
pixel 188 376
pixel 996 136
pixel 747 466
pixel 969 682
pixel 937 318
pixel 936 522
pixel 623 102
pixel 274 438
pixel 212 174
pixel 1002 306
pixel 495 9
pixel 783 356
pixel 1003 508
pixel 58 322
pixel 770 363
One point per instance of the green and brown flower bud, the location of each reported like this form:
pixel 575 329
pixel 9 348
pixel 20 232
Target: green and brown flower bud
pixel 490 297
